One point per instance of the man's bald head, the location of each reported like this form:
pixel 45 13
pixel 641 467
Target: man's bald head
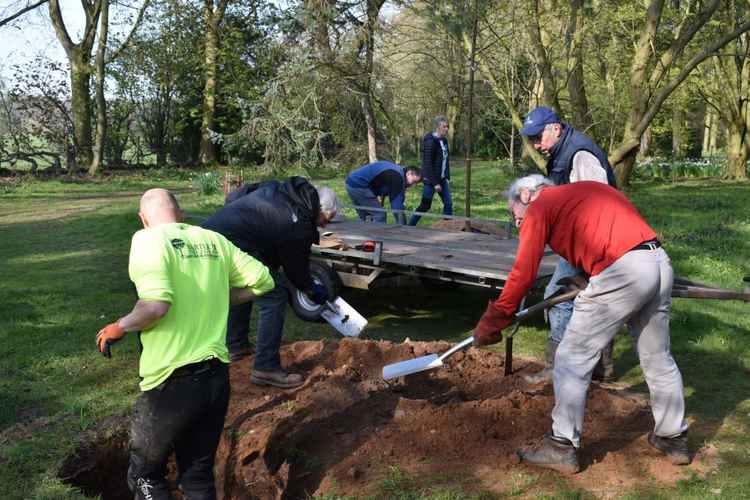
pixel 159 206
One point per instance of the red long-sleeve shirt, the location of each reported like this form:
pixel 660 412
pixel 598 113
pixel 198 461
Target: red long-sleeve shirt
pixel 589 224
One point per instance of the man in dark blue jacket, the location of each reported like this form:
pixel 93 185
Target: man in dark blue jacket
pixel 572 157
pixel 436 169
pixel 275 222
pixel 377 180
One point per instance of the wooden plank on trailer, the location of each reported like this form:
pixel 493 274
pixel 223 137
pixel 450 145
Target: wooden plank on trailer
pixel 473 254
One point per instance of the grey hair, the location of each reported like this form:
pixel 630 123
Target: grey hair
pixel 438 120
pixel 329 201
pixel 532 182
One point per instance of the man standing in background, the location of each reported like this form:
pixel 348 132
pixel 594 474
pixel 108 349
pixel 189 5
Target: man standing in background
pixel 435 169
pixel 572 157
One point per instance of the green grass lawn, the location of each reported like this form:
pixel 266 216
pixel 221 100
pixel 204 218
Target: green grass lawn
pixel 64 250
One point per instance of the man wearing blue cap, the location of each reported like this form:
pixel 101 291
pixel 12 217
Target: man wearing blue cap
pixel 572 157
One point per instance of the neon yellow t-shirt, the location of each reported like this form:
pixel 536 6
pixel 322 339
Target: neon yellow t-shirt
pixel 191 268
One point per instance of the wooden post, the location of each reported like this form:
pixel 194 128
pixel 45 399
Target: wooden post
pixel 470 125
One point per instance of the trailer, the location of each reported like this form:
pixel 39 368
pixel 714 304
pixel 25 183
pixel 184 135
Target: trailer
pixel 366 255
pixel 363 255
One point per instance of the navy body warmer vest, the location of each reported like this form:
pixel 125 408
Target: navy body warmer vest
pixel 561 161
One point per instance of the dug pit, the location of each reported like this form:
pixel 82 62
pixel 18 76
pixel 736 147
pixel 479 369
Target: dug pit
pixel 345 430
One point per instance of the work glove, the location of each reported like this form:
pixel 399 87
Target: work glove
pixel 107 336
pixel 486 332
pixel 319 294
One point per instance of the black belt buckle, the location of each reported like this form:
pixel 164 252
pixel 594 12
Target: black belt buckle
pixel 648 245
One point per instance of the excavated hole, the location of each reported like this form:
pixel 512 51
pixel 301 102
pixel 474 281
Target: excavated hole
pixel 346 428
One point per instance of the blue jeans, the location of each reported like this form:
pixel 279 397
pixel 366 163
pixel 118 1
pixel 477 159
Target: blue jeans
pixel 364 197
pixel 559 314
pixel 272 310
pixel 428 192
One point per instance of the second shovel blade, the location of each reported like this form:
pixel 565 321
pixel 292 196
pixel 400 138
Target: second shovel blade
pixel 410 366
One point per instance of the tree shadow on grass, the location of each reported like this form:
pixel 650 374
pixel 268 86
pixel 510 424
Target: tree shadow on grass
pixel 716 381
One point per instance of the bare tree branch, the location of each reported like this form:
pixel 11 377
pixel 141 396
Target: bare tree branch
pixel 21 12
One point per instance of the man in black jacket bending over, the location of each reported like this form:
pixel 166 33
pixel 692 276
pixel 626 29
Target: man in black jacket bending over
pixel 275 222
pixel 435 169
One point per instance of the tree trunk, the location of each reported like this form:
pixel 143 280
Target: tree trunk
pixel 678 132
pixel 707 117
pixel 625 155
pixel 372 150
pixel 101 103
pixel 645 147
pixel 80 103
pixel 580 116
pixel 373 8
pixel 470 125
pixel 547 85
pixel 737 151
pixel 212 20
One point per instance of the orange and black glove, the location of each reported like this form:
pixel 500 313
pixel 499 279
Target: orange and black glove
pixel 487 330
pixel 108 336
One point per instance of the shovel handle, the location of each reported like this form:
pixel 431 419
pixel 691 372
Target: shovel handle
pixel 465 342
pixel 563 297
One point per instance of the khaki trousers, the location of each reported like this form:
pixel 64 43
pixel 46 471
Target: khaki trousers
pixel 635 290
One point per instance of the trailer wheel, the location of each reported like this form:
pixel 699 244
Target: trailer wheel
pixel 302 305
pixel 437 284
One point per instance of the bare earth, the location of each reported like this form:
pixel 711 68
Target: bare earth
pixel 345 428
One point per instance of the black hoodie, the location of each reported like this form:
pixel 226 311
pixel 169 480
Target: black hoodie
pixel 274 222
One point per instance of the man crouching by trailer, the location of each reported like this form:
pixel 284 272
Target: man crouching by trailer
pixel 597 230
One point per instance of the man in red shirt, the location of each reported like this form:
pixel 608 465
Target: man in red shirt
pixel 597 230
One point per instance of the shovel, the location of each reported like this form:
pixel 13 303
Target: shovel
pixel 431 361
pixel 343 317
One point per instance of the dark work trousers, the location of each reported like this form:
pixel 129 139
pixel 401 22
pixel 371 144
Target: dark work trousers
pixel 184 414
pixel 271 314
pixel 428 192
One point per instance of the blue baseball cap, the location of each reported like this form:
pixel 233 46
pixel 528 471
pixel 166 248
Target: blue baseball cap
pixel 537 120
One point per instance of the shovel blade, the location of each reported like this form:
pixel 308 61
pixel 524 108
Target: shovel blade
pixel 410 366
pixel 344 318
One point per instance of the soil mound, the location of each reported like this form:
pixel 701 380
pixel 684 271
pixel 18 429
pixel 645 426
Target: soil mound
pixel 485 227
pixel 345 429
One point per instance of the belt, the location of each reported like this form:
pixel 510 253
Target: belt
pixel 647 245
pixel 197 368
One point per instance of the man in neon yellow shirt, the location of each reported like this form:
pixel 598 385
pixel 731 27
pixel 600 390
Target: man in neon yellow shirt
pixel 186 278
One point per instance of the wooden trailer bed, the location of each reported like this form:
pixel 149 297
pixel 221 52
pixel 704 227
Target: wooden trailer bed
pixel 461 257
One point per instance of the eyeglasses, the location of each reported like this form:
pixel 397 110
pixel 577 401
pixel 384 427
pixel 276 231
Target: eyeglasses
pixel 536 139
pixel 516 220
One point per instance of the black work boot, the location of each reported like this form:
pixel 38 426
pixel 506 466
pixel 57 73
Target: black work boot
pixel 604 371
pixel 553 452
pixel 545 375
pixel 675 448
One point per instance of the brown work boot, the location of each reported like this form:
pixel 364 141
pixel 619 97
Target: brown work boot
pixel 675 448
pixel 545 375
pixel 553 452
pixel 240 353
pixel 278 378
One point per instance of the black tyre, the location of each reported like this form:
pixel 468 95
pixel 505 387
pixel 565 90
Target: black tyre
pixel 303 305
pixel 438 284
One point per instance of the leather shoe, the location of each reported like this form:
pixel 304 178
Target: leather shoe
pixel 553 452
pixel 675 448
pixel 278 378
